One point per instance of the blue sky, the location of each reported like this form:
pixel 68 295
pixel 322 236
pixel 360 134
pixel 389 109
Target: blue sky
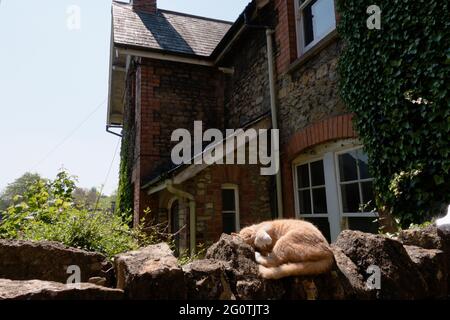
pixel 53 82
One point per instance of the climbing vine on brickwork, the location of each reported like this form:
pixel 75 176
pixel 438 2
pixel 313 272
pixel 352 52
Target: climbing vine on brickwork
pixel 396 80
pixel 125 190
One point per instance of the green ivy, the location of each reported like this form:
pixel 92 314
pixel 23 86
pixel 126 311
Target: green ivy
pixel 396 81
pixel 125 189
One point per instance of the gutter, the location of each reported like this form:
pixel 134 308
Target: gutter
pixel 161 55
pixel 108 129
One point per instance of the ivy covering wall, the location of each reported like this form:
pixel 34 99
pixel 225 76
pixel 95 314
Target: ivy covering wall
pixel 396 80
pixel 125 190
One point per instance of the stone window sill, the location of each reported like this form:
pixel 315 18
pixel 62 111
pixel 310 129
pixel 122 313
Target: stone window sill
pixel 311 53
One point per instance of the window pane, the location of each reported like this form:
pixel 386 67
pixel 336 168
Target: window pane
pixel 308 24
pixel 368 225
pixel 368 195
pixel 347 166
pixel 323 17
pixel 303 176
pixel 229 222
pixel 320 200
pixel 317 174
pixel 305 202
pixel 350 197
pixel 228 200
pixel 363 165
pixel 323 225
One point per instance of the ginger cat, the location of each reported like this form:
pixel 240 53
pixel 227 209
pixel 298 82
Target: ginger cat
pixel 288 248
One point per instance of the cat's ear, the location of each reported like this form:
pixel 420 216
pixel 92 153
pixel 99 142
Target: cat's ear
pixel 234 234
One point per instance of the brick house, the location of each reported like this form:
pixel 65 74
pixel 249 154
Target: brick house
pixel 275 67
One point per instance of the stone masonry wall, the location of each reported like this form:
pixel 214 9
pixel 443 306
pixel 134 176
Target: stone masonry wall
pixel 310 93
pixel 247 93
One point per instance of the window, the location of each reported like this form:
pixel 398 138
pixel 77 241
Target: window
pixel 357 198
pixel 355 183
pixel 311 184
pixel 230 209
pixel 312 197
pixel 334 189
pixel 315 20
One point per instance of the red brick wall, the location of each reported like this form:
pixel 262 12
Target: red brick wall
pixel 170 96
pixel 333 128
pixel 285 34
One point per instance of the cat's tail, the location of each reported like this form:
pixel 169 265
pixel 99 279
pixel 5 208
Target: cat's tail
pixel 308 268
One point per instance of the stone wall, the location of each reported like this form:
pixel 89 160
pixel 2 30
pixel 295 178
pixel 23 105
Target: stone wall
pixel 414 266
pixel 309 93
pixel 247 94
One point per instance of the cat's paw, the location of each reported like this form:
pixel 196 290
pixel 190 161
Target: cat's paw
pixel 258 257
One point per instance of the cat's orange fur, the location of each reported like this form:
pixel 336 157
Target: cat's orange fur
pixel 289 248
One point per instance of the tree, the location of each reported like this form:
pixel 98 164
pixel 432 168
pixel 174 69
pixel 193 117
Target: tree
pixel 90 199
pixel 17 188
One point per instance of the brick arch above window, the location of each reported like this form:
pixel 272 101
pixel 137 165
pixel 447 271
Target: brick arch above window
pixel 334 128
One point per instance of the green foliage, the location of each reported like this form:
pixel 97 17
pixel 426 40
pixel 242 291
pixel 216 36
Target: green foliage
pixel 18 187
pixel 125 190
pixel 46 211
pixel 186 258
pixel 91 199
pixel 396 81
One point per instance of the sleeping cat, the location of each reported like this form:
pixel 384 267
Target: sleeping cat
pixel 288 248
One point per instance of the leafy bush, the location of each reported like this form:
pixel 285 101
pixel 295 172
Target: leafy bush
pixel 396 80
pixel 47 212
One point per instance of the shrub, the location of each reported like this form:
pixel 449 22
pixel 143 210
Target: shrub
pixel 47 212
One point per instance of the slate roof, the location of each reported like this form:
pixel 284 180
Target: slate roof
pixel 167 31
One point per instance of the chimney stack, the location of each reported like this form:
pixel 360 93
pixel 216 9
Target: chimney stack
pixel 147 6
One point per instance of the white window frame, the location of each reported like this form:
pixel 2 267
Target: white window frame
pixel 310 188
pixel 359 181
pixel 301 48
pixel 329 153
pixel 229 186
